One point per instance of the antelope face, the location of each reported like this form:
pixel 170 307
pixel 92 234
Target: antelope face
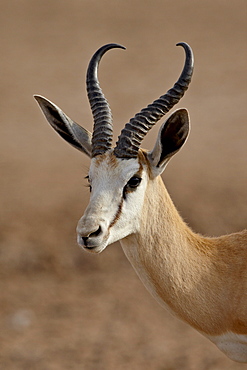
pixel 118 177
pixel 117 193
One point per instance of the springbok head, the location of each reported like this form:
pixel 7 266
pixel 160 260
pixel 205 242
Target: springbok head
pixel 119 176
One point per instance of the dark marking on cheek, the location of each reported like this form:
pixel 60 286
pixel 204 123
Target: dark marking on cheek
pixel 125 190
pixel 117 216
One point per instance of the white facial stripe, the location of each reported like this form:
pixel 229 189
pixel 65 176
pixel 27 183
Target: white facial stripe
pixel 109 211
pixel 119 210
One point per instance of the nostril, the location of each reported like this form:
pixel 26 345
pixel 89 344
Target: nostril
pixel 84 238
pixel 96 233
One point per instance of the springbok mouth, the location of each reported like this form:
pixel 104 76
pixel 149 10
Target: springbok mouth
pixel 90 245
pixel 93 249
pixel 90 248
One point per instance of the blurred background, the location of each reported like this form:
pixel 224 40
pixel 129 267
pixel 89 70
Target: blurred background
pixel 61 308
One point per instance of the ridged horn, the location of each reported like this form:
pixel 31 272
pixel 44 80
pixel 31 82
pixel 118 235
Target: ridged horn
pixel 133 133
pixel 102 131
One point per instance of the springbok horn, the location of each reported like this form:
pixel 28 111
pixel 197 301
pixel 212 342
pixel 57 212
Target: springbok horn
pixel 102 131
pixel 133 133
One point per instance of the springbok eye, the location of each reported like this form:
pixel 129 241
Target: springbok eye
pixel 134 182
pixel 131 185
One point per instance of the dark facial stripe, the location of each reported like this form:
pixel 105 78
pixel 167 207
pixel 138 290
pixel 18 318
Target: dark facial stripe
pixel 117 214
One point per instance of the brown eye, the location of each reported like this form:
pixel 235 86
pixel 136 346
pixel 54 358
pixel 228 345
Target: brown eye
pixel 134 182
pixel 131 185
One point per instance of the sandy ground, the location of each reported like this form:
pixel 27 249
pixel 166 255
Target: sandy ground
pixel 59 307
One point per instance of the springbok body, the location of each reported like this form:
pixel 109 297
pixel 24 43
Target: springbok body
pixel 203 281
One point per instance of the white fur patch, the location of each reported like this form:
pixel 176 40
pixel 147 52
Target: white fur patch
pixel 233 345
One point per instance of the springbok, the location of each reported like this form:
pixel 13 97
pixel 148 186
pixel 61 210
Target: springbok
pixel 203 281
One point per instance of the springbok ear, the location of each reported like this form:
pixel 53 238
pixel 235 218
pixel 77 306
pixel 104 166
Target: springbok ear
pixel 69 130
pixel 172 135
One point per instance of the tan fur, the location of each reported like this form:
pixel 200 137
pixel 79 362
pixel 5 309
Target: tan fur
pixel 202 280
pixel 109 157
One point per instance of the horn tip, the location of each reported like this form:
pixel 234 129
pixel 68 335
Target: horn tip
pixel 120 46
pixel 182 43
